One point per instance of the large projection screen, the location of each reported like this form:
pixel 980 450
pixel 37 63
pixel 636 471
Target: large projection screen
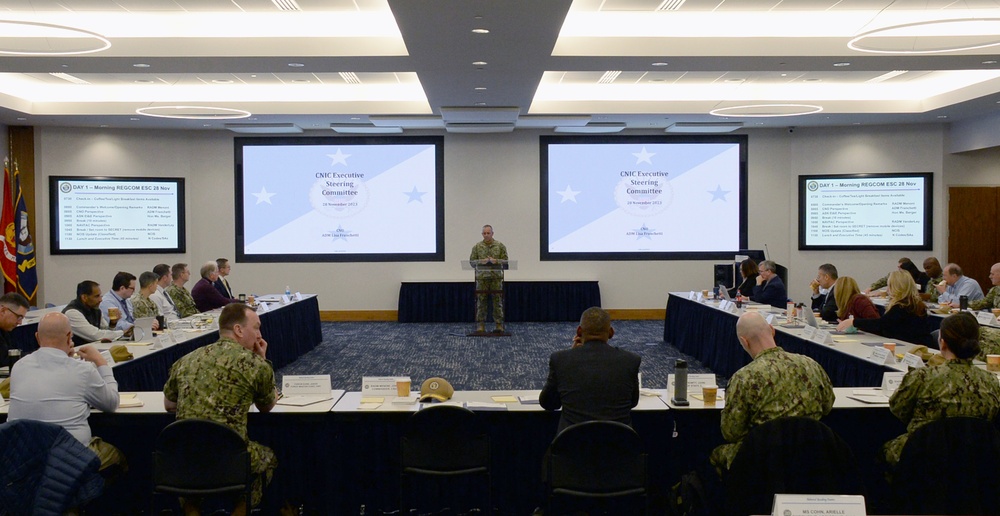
pixel 333 199
pixel 116 215
pixel 643 197
pixel 866 211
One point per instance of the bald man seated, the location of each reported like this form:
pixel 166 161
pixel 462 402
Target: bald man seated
pixel 775 384
pixel 58 384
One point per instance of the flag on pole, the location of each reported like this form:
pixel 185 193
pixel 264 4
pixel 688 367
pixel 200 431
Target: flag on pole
pixel 9 258
pixel 27 276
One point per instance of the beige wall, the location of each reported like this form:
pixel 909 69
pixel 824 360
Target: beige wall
pixel 488 179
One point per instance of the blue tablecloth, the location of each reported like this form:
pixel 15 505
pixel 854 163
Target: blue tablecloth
pixel 536 301
pixel 709 335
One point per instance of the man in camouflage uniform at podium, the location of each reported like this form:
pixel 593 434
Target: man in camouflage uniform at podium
pixel 489 251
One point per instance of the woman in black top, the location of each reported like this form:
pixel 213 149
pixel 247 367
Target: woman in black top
pixel 905 316
pixel 748 271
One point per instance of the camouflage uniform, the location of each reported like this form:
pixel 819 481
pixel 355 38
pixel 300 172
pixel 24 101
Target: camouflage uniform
pixel 932 288
pixel 992 300
pixel 219 382
pixel 955 388
pixel 143 306
pixel 880 283
pixel 182 300
pixel 775 384
pixel 989 342
pixel 489 279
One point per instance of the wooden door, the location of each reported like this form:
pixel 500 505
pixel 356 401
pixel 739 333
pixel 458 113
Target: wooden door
pixel 972 231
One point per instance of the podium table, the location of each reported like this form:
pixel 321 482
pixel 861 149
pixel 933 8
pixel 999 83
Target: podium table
pixel 535 301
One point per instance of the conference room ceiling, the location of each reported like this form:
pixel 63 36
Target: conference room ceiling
pixel 582 66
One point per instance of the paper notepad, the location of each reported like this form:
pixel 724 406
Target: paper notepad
pixel 870 397
pixel 504 399
pixel 529 399
pixel 301 401
pixel 372 399
pixel 369 406
pixel 129 401
pixel 484 405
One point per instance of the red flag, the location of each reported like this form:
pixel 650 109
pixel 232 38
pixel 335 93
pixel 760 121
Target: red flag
pixel 9 258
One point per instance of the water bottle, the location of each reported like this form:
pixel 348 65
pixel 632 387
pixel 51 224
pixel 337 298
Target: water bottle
pixel 680 384
pixel 288 291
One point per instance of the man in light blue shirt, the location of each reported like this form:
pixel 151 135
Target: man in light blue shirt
pixel 957 285
pixel 122 288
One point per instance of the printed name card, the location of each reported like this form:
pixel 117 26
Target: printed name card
pixel 821 336
pixel 262 307
pixel 808 332
pixel 881 355
pixel 695 382
pixel 818 505
pixel 985 318
pixel 700 298
pixel 307 384
pixel 770 319
pixel 911 360
pixel 378 386
pixel 691 296
pixel 285 299
pixel 297 296
pixel 891 381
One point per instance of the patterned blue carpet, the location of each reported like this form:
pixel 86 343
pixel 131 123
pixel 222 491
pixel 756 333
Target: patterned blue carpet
pixel 351 350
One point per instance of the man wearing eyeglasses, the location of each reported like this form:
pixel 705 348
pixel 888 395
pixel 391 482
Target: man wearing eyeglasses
pixel 770 290
pixel 122 288
pixel 13 307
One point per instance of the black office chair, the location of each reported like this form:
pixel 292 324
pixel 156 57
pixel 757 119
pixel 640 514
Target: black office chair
pixel 200 458
pixel 44 470
pixel 790 455
pixel 949 466
pixel 597 466
pixel 445 443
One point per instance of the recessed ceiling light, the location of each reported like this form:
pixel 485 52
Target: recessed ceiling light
pixel 300 81
pixel 206 125
pixel 104 125
pixel 991 61
pixel 942 116
pixel 480 103
pixel 355 118
pixel 841 64
pixel 141 65
pixel 252 118
pixel 222 81
pixel 660 63
pixel 784 75
pixel 480 31
pixel 480 88
pixel 65 66
pixel 253 75
pixel 734 80
pixel 812 80
pixel 21 118
pixel 296 65
pixel 143 81
pixel 134 119
pixel 857 123
pixel 479 63
pixel 656 80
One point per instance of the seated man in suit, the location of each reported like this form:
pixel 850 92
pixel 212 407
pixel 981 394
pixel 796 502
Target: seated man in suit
pixel 825 303
pixel 205 296
pixel 163 301
pixel 774 384
pixel 13 308
pixel 85 317
pixel 221 284
pixel 770 290
pixel 122 288
pixel 592 380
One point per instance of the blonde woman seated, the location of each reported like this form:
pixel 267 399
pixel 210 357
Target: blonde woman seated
pixel 851 302
pixel 905 316
pixel 954 388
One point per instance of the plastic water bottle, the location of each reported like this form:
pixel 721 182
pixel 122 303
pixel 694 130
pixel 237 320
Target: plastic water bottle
pixel 288 292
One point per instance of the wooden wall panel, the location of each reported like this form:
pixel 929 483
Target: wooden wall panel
pixel 972 231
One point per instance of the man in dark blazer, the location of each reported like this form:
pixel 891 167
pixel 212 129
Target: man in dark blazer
pixel 770 290
pixel 592 380
pixel 825 303
pixel 221 284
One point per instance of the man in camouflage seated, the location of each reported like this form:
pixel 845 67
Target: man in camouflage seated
pixel 221 380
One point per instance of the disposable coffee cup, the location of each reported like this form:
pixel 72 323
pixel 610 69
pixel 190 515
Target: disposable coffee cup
pixel 710 393
pixel 993 363
pixel 243 298
pixel 891 346
pixel 996 312
pixel 13 355
pixel 403 388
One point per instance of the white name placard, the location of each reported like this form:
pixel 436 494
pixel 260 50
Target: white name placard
pixel 297 296
pixel 891 381
pixel 808 332
pixel 986 318
pixel 818 505
pixel 378 385
pixel 308 384
pixel 691 296
pixel 911 360
pixel 262 307
pixel 770 319
pixel 881 355
pixel 695 382
pixel 285 299
pixel 821 336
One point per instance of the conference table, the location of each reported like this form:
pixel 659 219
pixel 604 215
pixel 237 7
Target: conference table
pixel 701 329
pixel 336 457
pixel 290 330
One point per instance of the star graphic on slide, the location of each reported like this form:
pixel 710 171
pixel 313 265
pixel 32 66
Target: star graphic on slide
pixel 568 195
pixel 643 156
pixel 339 157
pixel 719 193
pixel 340 233
pixel 414 195
pixel 643 232
pixel 263 196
